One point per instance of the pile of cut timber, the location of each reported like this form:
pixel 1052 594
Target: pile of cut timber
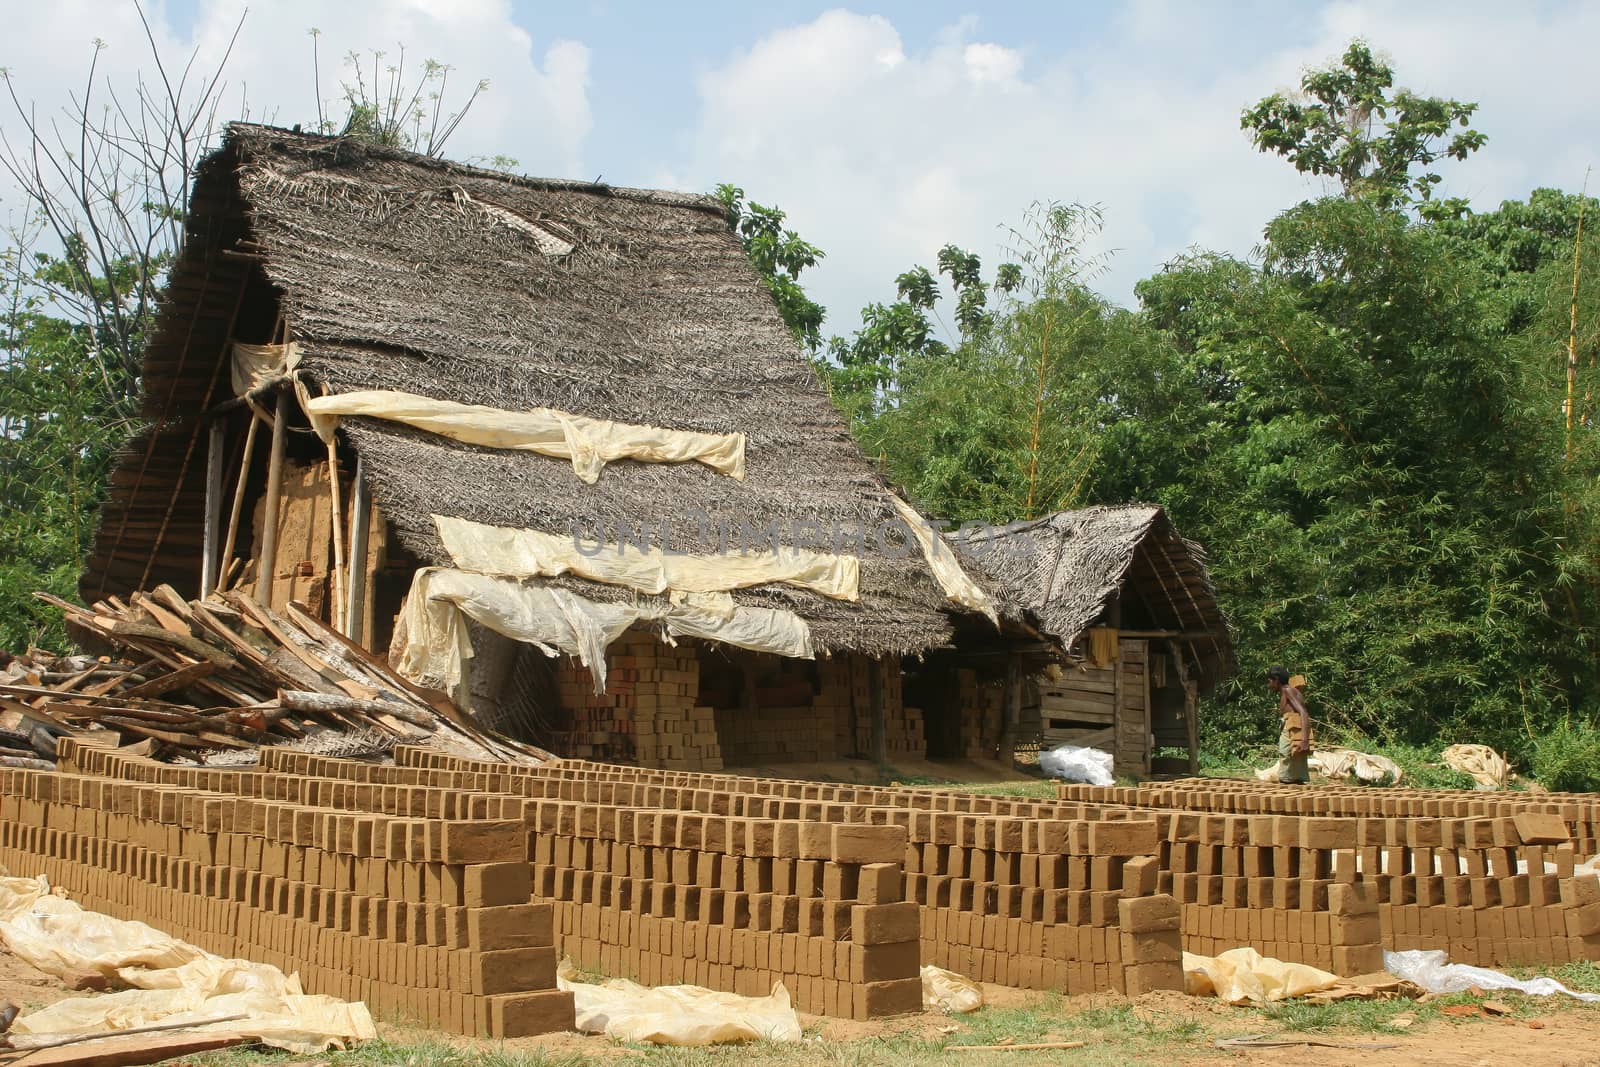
pixel 213 680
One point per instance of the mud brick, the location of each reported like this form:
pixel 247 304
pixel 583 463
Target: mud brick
pixel 880 883
pixel 874 1000
pixel 1352 960
pixel 1164 946
pixel 861 843
pixel 514 970
pixel 1150 914
pixel 510 926
pixel 1352 900
pixel 1576 892
pixel 1140 875
pixel 883 924
pixel 1148 977
pixel 1328 833
pixel 481 842
pixel 1541 828
pixel 1123 838
pixel 882 963
pixel 492 885
pixel 1583 920
pixel 527 1014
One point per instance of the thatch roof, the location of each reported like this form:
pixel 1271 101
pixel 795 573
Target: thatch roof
pixel 401 272
pixel 1064 571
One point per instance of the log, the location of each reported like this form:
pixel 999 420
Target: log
pixel 216 441
pixel 325 704
pixel 168 682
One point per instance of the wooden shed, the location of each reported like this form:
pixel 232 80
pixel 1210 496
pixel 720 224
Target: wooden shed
pixel 1131 605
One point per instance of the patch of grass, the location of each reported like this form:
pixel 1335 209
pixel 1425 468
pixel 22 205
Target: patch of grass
pixel 1369 1016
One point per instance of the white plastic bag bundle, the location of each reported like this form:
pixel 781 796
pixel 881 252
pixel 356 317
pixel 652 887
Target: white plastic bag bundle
pixel 1071 763
pixel 678 1014
pixel 1431 970
pixel 949 992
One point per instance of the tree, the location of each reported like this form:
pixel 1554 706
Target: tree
pixel 1346 125
pixel 779 256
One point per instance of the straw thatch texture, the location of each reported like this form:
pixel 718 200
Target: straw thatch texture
pixel 1064 570
pixel 398 272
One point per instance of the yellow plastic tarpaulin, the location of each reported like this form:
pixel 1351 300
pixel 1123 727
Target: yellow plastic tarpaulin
pixel 173 981
pixel 589 443
pixel 1244 976
pixel 678 1014
pixel 958 588
pixel 255 366
pixel 503 550
pixel 431 644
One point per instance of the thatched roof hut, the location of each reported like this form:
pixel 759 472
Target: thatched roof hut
pixel 1073 570
pixel 392 271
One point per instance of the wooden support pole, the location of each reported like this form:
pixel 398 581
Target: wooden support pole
pixel 336 610
pixel 1012 714
pixel 355 609
pixel 880 729
pixel 267 558
pixel 216 442
pixel 238 503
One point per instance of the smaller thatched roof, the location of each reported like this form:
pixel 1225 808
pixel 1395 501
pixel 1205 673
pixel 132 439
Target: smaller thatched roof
pixel 1064 571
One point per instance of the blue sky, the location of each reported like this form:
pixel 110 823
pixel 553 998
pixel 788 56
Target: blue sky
pixel 886 130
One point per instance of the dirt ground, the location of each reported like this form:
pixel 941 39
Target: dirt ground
pixel 1567 1035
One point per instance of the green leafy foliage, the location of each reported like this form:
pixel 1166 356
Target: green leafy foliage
pixel 1345 124
pixel 779 256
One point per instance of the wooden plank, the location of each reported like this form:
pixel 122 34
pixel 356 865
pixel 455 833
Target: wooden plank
pixel 216 442
pixel 1087 705
pixel 118 1050
pixel 168 682
pixel 1084 738
pixel 1081 685
pixel 268 555
pixel 355 609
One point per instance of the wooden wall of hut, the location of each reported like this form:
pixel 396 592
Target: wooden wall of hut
pixel 1131 705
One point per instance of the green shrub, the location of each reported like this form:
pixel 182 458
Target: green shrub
pixel 1566 758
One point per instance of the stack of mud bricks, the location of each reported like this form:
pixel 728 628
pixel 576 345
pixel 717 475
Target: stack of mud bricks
pixel 646 886
pixel 1283 885
pixel 981 713
pixel 1045 904
pixel 647 712
pixel 424 913
pixel 735 903
pixel 903 732
pixel 1012 891
pixel 1489 879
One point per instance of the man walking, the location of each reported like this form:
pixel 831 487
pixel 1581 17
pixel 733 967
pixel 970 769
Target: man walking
pixel 1294 742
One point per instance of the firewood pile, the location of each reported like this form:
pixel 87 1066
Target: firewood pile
pixel 211 681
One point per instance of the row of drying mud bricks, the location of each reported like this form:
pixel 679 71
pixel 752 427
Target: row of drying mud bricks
pixel 422 918
pixel 665 928
pixel 1012 894
pixel 1493 885
pixel 723 898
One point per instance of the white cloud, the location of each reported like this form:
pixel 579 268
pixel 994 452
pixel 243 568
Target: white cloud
pixel 882 163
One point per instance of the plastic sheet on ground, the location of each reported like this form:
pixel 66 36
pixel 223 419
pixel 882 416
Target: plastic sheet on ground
pixel 431 644
pixel 515 553
pixel 678 1014
pixel 1431 970
pixel 1486 766
pixel 1337 764
pixel 949 992
pixel 958 588
pixel 1072 763
pixel 1244 976
pixel 589 443
pixel 173 981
